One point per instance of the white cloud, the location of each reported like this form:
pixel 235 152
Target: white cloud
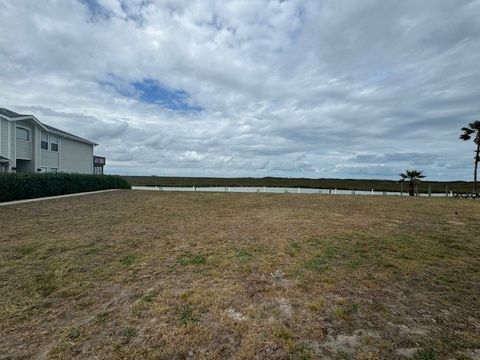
pixel 289 88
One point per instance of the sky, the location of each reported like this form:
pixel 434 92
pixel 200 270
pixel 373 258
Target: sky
pixel 290 88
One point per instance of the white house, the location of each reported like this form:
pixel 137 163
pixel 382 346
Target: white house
pixel 28 145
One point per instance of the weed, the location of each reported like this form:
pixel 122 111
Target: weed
pixel 26 249
pixel 127 335
pixel 150 295
pixel 427 353
pixel 187 315
pixel 128 260
pixel 45 282
pixel 317 305
pixel 244 256
pixel 192 259
pixel 73 334
pixel 346 311
pixel 318 263
pixel 103 317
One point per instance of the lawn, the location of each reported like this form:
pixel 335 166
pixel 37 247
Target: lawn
pixel 152 275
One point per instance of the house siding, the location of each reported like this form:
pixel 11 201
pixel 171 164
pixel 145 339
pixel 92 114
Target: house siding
pixel 49 158
pixel 76 157
pixel 4 137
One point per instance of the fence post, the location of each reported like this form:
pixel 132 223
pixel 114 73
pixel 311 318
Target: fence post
pixel 329 191
pixel 194 188
pixel 372 191
pixel 401 188
pixel 335 191
pixel 429 190
pixel 298 191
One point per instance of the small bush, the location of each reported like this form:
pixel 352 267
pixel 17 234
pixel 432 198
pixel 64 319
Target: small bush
pixel 27 185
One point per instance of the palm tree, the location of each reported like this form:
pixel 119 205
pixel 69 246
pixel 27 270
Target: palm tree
pixel 413 177
pixel 473 131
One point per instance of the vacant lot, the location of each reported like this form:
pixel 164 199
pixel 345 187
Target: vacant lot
pixel 133 275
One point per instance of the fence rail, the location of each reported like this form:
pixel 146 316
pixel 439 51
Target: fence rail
pixel 287 190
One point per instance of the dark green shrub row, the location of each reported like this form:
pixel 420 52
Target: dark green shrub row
pixel 27 186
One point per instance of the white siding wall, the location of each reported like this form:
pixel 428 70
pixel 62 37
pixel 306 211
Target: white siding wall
pixel 12 155
pixel 24 150
pixel 76 157
pixel 49 158
pixel 4 138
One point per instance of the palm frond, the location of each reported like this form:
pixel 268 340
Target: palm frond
pixel 412 176
pixel 475 126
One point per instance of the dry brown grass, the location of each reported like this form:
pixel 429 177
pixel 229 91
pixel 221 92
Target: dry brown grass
pixel 133 275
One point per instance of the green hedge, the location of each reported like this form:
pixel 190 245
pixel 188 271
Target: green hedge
pixel 27 186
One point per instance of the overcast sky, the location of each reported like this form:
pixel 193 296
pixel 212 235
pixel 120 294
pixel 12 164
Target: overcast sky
pixel 300 88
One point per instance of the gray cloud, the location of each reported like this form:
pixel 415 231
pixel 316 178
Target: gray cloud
pixel 287 88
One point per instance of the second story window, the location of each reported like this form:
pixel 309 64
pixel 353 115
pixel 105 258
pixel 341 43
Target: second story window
pixel 44 141
pixel 53 143
pixel 23 134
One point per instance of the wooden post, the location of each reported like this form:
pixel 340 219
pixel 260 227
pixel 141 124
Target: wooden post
pixel 401 188
pixel 429 190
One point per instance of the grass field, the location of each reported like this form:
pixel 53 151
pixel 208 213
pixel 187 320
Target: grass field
pixel 153 275
pixel 341 184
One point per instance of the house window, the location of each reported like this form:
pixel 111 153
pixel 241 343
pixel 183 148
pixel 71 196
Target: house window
pixel 23 134
pixel 44 169
pixel 53 170
pixel 53 143
pixel 44 142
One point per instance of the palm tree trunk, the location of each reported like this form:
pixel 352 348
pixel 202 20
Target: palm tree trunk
pixel 411 189
pixel 477 158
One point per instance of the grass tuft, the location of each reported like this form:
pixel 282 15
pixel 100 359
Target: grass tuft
pixel 192 259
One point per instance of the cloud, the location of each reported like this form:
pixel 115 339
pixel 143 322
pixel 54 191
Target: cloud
pixel 251 88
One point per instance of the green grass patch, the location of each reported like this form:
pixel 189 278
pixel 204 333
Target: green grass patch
pixel 192 259
pixel 187 315
pixel 244 256
pixel 346 311
pixel 128 260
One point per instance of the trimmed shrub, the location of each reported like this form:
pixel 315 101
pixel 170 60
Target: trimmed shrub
pixel 28 185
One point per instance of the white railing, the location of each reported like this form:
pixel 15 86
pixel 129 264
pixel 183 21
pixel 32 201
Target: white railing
pixel 283 190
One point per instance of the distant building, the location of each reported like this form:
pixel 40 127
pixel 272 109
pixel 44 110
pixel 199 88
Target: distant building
pixel 28 145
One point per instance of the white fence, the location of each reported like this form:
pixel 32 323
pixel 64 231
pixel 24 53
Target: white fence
pixel 284 190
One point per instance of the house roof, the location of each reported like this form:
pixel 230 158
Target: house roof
pixel 14 116
pixel 64 133
pixel 10 114
pixel 3 159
